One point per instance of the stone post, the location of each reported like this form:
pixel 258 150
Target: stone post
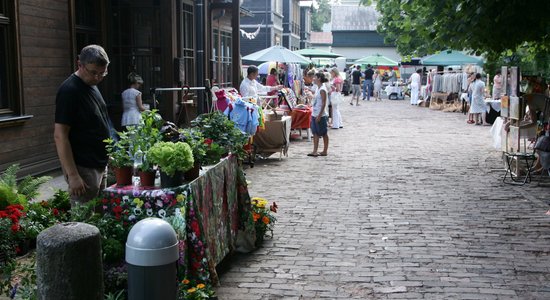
pixel 68 263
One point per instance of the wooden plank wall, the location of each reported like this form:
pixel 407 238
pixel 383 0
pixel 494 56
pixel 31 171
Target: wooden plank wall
pixel 45 61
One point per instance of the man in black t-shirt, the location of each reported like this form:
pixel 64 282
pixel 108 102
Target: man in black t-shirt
pixel 81 125
pixel 356 85
pixel 367 84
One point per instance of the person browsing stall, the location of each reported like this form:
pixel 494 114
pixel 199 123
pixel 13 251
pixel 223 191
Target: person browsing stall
pixel 131 101
pixel 319 116
pixel 272 80
pixel 81 125
pixel 250 87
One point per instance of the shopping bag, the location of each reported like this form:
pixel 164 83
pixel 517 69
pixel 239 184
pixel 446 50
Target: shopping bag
pixel 336 98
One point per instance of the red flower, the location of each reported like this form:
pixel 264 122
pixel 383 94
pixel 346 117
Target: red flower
pixel 15 227
pixel 104 201
pixel 117 210
pixel 55 211
pixel 208 141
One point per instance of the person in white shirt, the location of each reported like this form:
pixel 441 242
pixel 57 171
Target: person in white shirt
pixel 320 115
pixel 250 87
pixel 415 86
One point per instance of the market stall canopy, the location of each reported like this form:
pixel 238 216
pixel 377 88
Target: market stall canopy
pixel 312 52
pixel 265 67
pixel 276 53
pixel 450 57
pixel 376 60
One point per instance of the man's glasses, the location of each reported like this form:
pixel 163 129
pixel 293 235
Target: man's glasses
pixel 95 73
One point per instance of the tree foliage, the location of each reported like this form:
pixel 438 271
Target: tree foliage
pixel 320 15
pixel 420 27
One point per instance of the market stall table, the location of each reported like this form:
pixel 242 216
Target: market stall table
pixel 213 209
pixel 274 138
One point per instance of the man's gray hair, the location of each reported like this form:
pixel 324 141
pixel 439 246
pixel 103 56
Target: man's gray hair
pixel 93 54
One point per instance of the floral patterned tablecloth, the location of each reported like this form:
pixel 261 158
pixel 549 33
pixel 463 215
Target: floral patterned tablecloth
pixel 206 213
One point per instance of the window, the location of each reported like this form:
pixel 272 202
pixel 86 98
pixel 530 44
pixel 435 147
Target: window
pixel 87 23
pixel 10 103
pixel 136 43
pixel 222 57
pixel 187 44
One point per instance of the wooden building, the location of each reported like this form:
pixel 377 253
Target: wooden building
pixel 169 42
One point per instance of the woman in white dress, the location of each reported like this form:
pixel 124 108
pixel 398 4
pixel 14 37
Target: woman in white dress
pixel 336 85
pixel 478 107
pixel 377 86
pixel 131 101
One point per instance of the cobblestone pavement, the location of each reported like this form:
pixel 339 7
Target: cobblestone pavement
pixel 408 204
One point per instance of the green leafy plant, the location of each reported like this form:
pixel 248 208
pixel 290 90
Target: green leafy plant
pixel 195 139
pixel 171 157
pixel 222 131
pixel 61 200
pixel 119 150
pixel 38 217
pixel 144 136
pixel 12 192
pixel 120 295
pixel 7 255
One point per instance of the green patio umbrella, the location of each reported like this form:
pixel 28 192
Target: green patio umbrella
pixel 318 53
pixel 449 58
pixel 376 60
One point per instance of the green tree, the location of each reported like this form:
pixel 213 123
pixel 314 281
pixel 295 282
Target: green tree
pixel 320 15
pixel 512 30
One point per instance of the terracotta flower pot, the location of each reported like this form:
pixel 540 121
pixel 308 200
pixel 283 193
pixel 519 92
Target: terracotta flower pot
pixel 147 178
pixel 123 175
pixel 193 173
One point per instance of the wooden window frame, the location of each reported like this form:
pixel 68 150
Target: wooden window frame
pixel 13 114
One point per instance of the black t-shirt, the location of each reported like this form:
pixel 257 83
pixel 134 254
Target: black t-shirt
pixel 356 76
pixel 82 108
pixel 368 74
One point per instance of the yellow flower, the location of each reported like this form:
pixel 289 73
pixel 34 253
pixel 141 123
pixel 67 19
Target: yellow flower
pixel 180 197
pixel 191 290
pixel 185 281
pixel 138 202
pixel 259 202
pixel 201 286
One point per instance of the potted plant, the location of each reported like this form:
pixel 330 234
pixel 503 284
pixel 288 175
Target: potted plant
pixel 222 131
pixel 144 136
pixel 119 158
pixel 199 146
pixel 172 159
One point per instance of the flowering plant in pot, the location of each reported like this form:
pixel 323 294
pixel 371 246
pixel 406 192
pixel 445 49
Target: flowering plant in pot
pixel 222 131
pixel 263 217
pixel 172 158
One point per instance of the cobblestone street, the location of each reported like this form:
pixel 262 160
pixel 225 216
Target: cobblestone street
pixel 409 203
